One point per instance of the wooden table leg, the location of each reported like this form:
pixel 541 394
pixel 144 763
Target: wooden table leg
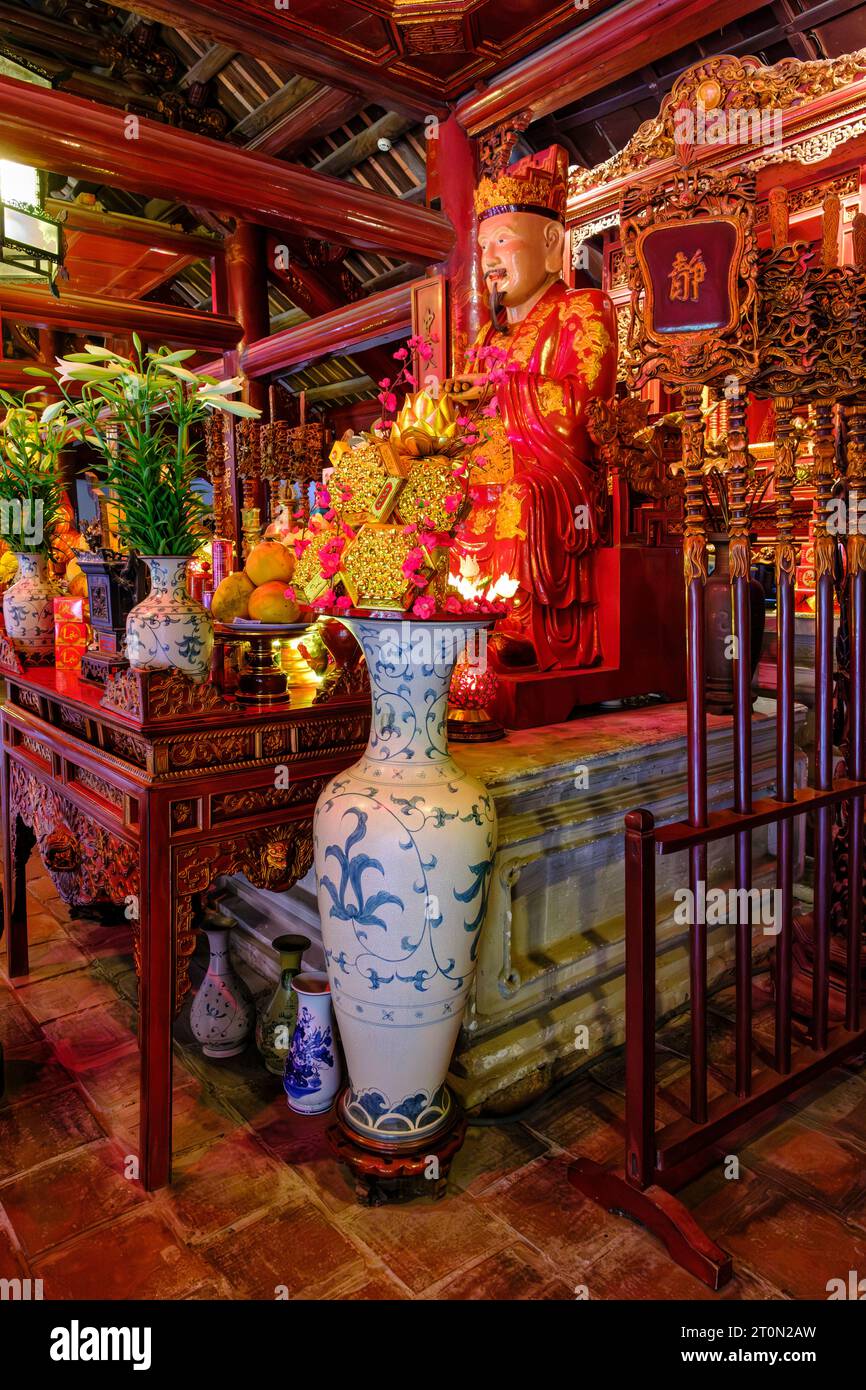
pixel 156 995
pixel 14 877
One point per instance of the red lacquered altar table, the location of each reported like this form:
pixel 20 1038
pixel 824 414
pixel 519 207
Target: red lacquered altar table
pixel 141 795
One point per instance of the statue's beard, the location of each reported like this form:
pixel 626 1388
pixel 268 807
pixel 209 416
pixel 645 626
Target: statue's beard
pixel 498 314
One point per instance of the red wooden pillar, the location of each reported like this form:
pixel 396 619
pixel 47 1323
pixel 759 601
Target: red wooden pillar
pixel 246 291
pixel 451 177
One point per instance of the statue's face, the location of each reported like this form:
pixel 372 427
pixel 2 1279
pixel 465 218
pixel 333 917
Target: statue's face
pixel 519 252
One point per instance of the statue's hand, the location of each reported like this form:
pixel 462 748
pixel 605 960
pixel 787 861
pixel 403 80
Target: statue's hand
pixel 471 386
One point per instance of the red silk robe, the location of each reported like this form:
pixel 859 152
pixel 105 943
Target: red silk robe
pixel 540 526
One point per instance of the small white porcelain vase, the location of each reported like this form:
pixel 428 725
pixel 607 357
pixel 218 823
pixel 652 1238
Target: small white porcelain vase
pixel 222 1016
pixel 313 1071
pixel 169 630
pixel 28 609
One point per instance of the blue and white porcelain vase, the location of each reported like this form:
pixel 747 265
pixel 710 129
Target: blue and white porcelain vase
pixel 313 1074
pixel 28 609
pixel 404 844
pixel 222 1014
pixel 168 630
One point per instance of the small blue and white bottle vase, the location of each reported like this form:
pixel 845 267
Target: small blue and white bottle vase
pixel 222 1014
pixel 313 1072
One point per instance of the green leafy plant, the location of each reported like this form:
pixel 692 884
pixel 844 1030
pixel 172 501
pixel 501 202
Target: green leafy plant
pixel 31 479
pixel 139 412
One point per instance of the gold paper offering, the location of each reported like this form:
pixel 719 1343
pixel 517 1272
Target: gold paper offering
pixel 422 499
pixel 366 482
pixel 372 568
pixel 308 579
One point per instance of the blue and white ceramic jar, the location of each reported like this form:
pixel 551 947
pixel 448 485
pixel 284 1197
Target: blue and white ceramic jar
pixel 168 630
pixel 404 845
pixel 28 609
pixel 313 1074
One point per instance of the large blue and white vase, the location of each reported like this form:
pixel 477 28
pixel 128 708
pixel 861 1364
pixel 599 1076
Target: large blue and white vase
pixel 404 844
pixel 168 630
pixel 313 1073
pixel 28 609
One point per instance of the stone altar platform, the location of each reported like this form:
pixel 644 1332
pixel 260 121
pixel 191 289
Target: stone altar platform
pixel 549 990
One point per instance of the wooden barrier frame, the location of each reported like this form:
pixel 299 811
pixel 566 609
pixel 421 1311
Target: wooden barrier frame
pixel 657 1162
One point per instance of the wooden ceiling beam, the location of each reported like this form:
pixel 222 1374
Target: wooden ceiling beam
pixel 279 104
pixel 209 65
pixel 55 131
pixel 335 390
pixel 261 37
pixel 324 111
pixel 790 29
pixel 361 146
pixel 368 323
pixel 313 292
pixel 158 236
pixel 602 50
pixel 99 314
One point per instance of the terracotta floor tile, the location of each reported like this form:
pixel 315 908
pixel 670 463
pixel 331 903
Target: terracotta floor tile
pixel 13 1264
pixel 718 1202
pixel 425 1241
pixel 43 926
pixel 510 1275
pixel 101 939
pixel 835 1102
pixel 113 1084
pixel 299 1141
pixel 52 958
pixel 93 1037
pixel 65 994
pixel 226 1182
pixel 639 1267
pixel 672 1079
pixel 212 1291
pixel 198 1117
pixel 231 1073
pixel 797 1246
pixel 16 1029
pixel 59 1200
pixel 43 1129
pixel 147 1262
pixel 39 884
pixel 377 1287
pixel 58 908
pixel 288 1254
pixel 32 1072
pixel 811 1162
pixel 586 1121
pixel 544 1208
pixel 490 1154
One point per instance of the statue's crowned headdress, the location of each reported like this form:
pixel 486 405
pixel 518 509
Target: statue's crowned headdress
pixel 537 184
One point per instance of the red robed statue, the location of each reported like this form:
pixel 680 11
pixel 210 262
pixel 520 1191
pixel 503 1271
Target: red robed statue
pixel 536 495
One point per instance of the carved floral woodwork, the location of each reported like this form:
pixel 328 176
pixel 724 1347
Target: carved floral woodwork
pixel 727 83
pixel 495 146
pixel 627 443
pixel 150 695
pixel 698 205
pixel 273 857
pixel 87 863
pixel 703 229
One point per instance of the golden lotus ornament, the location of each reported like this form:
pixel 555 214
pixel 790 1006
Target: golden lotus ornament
pixel 426 426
